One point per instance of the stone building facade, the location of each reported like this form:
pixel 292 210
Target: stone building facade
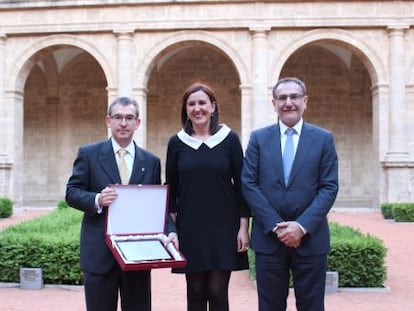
pixel 63 61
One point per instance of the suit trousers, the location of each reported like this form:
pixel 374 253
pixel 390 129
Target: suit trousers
pixel 272 275
pixel 133 287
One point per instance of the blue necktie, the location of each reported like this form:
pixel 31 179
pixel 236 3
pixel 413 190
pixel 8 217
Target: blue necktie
pixel 288 154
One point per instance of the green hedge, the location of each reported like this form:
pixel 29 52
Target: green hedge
pixel 403 212
pixel 359 259
pixel 400 212
pixel 6 207
pixel 50 242
pixel 386 210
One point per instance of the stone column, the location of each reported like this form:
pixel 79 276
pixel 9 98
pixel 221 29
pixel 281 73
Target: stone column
pixel 14 123
pixel 260 100
pixel 380 130
pixel 140 136
pixel 124 62
pixel 5 164
pixel 246 114
pixel 397 146
pixel 112 94
pixel 3 138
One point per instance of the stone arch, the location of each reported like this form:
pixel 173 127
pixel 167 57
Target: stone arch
pixel 372 62
pixel 45 108
pixel 148 63
pixel 352 75
pixel 20 68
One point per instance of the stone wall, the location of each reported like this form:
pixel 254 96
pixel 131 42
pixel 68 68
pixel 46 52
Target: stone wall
pixel 61 64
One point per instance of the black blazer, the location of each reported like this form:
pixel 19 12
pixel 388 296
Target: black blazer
pixel 94 168
pixel 308 196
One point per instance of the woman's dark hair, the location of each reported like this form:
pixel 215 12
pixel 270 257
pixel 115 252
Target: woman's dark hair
pixel 214 120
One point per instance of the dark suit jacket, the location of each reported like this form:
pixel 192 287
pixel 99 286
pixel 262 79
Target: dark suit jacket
pixel 94 168
pixel 308 196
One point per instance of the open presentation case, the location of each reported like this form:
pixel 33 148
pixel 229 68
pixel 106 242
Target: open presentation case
pixel 135 228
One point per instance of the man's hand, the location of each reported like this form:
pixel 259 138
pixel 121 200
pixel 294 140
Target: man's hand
pixel 107 196
pixel 289 233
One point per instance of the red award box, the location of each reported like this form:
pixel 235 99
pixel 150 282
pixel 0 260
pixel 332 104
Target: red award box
pixel 135 228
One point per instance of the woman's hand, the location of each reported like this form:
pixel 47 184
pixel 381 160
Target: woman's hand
pixel 172 238
pixel 243 241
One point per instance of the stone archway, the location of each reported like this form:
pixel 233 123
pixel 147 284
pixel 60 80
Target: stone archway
pixel 334 37
pixel 65 101
pixel 340 100
pixel 355 71
pixel 21 65
pixel 147 65
pixel 175 69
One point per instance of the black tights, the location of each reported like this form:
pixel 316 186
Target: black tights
pixel 208 287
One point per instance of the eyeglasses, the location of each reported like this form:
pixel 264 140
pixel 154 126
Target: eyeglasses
pixel 129 119
pixel 293 97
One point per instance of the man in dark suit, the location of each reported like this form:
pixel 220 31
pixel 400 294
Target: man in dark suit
pixel 95 167
pixel 290 230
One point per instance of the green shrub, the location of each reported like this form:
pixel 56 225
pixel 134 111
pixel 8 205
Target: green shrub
pixel 386 210
pixel 252 263
pixel 61 204
pixel 50 242
pixel 359 259
pixel 6 207
pixel 403 212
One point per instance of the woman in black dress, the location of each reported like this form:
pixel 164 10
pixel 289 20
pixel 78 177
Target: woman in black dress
pixel 203 167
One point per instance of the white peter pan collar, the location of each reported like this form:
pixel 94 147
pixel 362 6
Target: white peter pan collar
pixel 211 142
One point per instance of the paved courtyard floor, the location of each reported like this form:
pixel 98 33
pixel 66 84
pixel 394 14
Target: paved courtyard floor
pixel 168 290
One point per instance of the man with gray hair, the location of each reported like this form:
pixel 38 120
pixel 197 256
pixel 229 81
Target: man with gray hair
pixel 290 182
pixel 117 160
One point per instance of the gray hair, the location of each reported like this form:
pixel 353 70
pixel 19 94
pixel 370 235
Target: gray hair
pixel 287 80
pixel 124 101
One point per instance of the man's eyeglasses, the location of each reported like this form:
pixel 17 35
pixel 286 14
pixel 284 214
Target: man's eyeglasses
pixel 293 97
pixel 129 119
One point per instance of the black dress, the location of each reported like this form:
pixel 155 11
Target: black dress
pixel 204 180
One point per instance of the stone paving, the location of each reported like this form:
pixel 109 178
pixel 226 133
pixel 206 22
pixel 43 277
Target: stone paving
pixel 168 290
